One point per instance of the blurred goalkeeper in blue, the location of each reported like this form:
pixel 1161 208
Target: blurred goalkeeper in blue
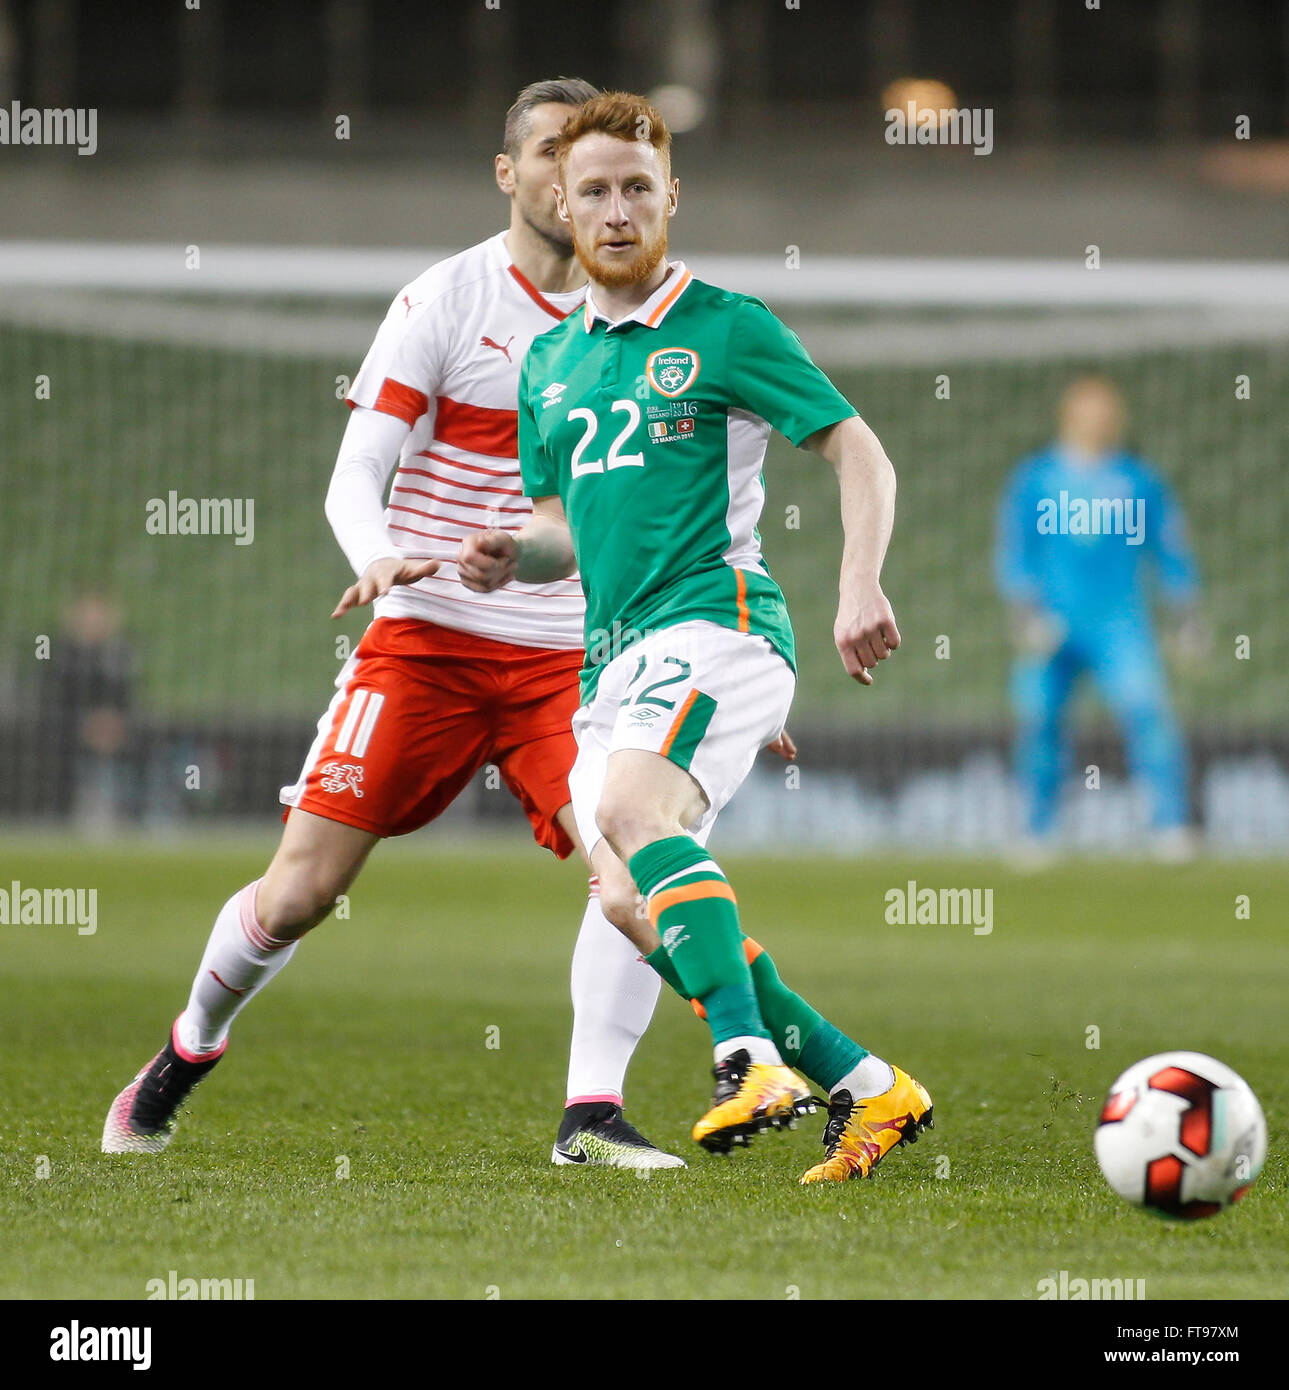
pixel 1089 536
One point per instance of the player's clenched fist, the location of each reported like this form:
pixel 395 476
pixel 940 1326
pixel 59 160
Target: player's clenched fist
pixel 379 578
pixel 865 633
pixel 487 560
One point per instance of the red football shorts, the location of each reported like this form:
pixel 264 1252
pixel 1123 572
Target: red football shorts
pixel 420 708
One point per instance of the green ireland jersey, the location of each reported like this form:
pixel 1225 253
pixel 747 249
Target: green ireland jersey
pixel 652 432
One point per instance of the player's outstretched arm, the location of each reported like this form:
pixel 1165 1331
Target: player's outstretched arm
pixel 865 631
pixel 355 507
pixel 542 551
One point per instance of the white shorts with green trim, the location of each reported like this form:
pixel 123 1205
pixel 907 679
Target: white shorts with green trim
pixel 704 696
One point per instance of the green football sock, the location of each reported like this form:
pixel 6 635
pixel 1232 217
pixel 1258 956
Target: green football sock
pixel 805 1039
pixel 789 1018
pixel 660 961
pixel 828 1054
pixel 694 911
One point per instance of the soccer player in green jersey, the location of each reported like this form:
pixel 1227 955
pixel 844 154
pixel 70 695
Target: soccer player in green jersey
pixel 643 424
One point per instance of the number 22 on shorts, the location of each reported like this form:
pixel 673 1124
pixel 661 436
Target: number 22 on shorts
pixel 647 696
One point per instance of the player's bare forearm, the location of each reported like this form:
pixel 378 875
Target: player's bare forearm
pixel 545 545
pixel 865 631
pixel 867 482
pixel 540 552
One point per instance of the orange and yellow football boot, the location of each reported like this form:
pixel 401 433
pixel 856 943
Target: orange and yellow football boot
pixel 751 1097
pixel 860 1133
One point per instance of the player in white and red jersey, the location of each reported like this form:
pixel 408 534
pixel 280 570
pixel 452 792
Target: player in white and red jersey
pixel 437 392
pixel 444 679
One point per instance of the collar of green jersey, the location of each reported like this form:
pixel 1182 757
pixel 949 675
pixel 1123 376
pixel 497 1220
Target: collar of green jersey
pixel 652 312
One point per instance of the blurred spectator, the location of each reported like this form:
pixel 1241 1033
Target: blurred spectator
pixel 1087 534
pixel 84 723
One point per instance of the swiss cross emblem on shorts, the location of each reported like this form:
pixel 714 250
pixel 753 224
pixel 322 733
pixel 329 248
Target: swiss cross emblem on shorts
pixel 672 370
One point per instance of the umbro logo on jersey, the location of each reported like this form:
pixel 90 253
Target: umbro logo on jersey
pixel 644 715
pixel 672 371
pixel 501 347
pixel 553 394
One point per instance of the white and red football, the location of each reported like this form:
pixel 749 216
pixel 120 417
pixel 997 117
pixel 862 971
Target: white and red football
pixel 1182 1135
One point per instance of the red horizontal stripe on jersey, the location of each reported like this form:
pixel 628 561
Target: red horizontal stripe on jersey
pixel 471 467
pixel 510 592
pixel 451 520
pixel 471 487
pixel 454 502
pixel 405 402
pixel 479 428
pixel 429 536
pixel 510 589
pixel 483 603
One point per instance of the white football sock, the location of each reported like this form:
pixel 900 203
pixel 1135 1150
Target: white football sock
pixel 241 958
pixel 870 1078
pixel 758 1050
pixel 614 993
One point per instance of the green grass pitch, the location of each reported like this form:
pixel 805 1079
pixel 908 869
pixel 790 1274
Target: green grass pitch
pixel 370 1054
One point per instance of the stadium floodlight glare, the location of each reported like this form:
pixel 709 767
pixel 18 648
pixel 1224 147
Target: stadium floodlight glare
pixel 919 94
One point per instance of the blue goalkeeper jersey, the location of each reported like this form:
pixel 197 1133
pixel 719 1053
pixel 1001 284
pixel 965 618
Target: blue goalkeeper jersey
pixel 1092 543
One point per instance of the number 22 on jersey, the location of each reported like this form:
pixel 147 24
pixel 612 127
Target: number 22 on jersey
pixel 582 465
